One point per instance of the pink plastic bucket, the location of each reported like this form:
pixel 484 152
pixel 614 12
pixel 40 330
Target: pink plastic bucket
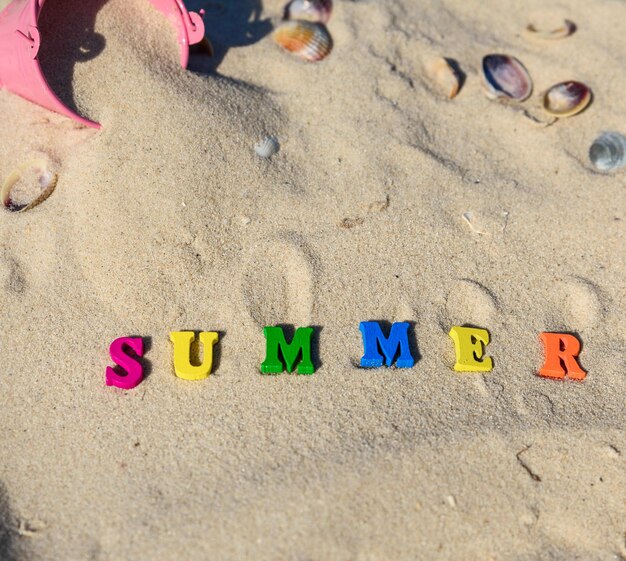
pixel 21 73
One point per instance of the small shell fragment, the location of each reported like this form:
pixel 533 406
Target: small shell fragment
pixel 566 99
pixel 608 151
pixel 534 31
pixel 310 41
pixel 538 117
pixel 28 185
pixel 309 10
pixel 267 147
pixel 444 76
pixel 506 78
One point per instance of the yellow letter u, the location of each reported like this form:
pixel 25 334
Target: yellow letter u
pixel 182 354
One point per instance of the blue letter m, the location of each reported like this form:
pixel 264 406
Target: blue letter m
pixel 375 341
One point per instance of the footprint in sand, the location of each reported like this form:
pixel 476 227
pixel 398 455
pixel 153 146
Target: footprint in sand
pixel 38 145
pixel 10 550
pixel 582 303
pixel 33 260
pixel 470 302
pixel 13 276
pixel 278 282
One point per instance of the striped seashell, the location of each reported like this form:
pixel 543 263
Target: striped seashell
pixel 506 78
pixel 309 10
pixel 566 99
pixel 310 41
pixel 267 147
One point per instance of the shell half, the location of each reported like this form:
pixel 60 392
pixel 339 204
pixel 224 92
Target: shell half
pixel 506 78
pixel 310 41
pixel 444 76
pixel 309 10
pixel 566 99
pixel 27 185
pixel 608 151
pixel 534 31
pixel 267 147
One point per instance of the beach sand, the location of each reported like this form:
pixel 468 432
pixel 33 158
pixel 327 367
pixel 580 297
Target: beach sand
pixel 166 220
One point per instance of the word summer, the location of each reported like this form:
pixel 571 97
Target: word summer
pixel 561 352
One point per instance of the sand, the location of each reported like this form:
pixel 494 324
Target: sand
pixel 167 220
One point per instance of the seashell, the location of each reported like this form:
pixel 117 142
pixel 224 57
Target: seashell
pixel 310 41
pixel 267 147
pixel 28 185
pixel 566 99
pixel 506 78
pixel 534 31
pixel 608 151
pixel 309 10
pixel 444 76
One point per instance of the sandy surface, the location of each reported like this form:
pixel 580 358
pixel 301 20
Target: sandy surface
pixel 167 220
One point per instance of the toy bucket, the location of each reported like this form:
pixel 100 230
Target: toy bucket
pixel 20 71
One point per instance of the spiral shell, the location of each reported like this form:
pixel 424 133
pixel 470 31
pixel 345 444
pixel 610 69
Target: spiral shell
pixel 309 10
pixel 608 151
pixel 27 185
pixel 310 41
pixel 566 99
pixel 506 78
pixel 267 147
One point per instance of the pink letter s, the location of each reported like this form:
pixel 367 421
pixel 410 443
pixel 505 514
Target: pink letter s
pixel 133 368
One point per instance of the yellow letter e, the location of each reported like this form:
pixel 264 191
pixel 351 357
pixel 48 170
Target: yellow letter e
pixel 469 346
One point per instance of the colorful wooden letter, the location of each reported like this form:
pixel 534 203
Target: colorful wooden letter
pixel 374 339
pixel 182 350
pixel 561 351
pixel 120 356
pixel 301 343
pixel 469 345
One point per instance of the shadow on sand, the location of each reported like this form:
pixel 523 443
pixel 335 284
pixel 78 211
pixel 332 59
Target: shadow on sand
pixel 229 24
pixel 61 49
pixel 68 27
pixel 9 548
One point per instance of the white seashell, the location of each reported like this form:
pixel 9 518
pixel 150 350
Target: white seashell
pixel 444 76
pixel 28 185
pixel 309 10
pixel 506 78
pixel 608 151
pixel 310 41
pixel 267 147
